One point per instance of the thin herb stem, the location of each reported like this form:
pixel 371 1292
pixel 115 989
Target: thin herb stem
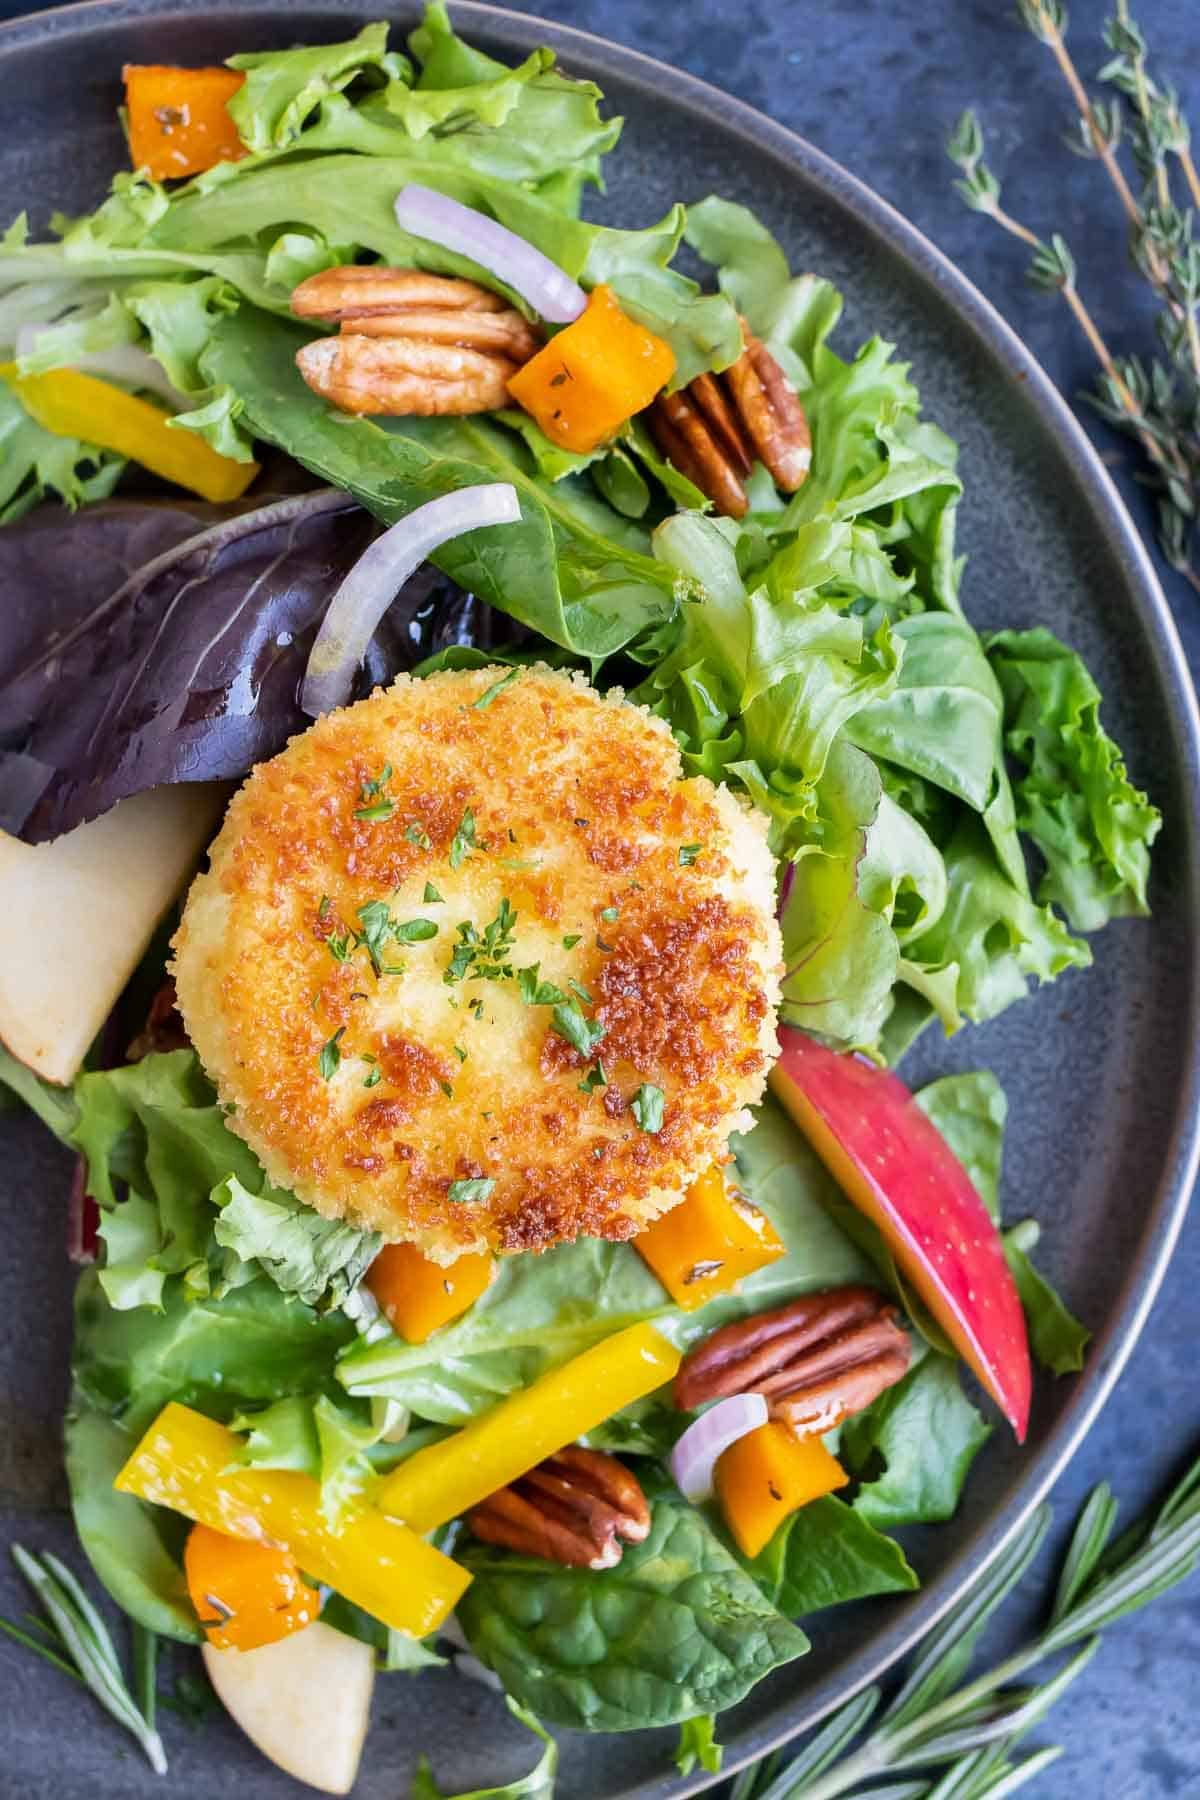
pixel 1053 37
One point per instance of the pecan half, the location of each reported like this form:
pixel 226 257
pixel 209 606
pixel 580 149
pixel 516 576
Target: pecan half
pixel 713 429
pixel 579 1508
pixel 816 1361
pixel 410 343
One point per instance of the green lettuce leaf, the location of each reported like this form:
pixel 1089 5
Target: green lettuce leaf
pixel 253 1345
pixel 537 1785
pixel 677 1628
pixel 35 465
pixel 1092 826
pixel 283 88
pixel 828 1553
pixel 994 934
pixel 319 1260
pixel 698 1747
pixel 928 1433
pixel 542 1310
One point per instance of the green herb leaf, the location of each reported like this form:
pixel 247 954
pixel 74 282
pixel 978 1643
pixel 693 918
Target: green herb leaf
pixel 415 931
pixel 536 992
pixel 648 1107
pixel 687 856
pixel 595 1078
pixel 472 1191
pixel 570 942
pixel 581 1033
pixel 489 694
pixel 416 834
pixel 377 810
pixel 464 839
pixel 610 914
pixel 330 1058
pixel 431 897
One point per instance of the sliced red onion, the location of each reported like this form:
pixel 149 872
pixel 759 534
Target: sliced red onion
pixel 548 289
pixel 696 1454
pixel 378 576
pixel 127 363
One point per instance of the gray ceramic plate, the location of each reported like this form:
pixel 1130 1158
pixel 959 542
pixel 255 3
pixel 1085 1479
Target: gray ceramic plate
pixel 1103 1070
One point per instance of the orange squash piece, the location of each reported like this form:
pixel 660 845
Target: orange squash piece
pixel 178 122
pixel 418 1296
pixel 768 1475
pixel 245 1594
pixel 593 375
pixel 706 1244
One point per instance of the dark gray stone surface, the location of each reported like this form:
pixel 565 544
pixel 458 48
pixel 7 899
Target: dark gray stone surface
pixel 876 86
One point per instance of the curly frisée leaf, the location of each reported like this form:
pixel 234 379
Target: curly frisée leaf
pixel 674 1630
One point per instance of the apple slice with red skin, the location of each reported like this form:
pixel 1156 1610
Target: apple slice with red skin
pixel 896 1167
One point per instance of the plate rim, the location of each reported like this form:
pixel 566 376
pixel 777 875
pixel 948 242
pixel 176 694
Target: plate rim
pixel 1121 539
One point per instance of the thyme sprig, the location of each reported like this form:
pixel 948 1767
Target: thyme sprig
pixel 1155 400
pixel 78 1642
pixel 948 1738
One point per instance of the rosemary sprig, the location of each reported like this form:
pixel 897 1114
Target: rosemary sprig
pixel 80 1645
pixel 1154 400
pixel 948 1738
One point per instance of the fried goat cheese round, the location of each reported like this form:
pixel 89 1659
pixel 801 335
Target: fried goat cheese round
pixel 473 964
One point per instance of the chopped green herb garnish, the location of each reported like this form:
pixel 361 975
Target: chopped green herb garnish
pixel 610 914
pixel 416 834
pixel 369 789
pixel 415 931
pixel 471 1192
pixel 330 1059
pixel 595 1078
pixel 577 987
pixel 377 810
pixel 460 1053
pixel 323 909
pixel 486 955
pixel 340 945
pixel 536 992
pixel 648 1107
pixel 431 897
pixel 581 1033
pixel 378 926
pixel 569 943
pixel 447 1089
pixel 489 694
pixel 688 854
pixel 372 1078
pixel 464 840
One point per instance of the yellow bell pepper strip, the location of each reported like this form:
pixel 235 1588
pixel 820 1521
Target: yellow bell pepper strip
pixel 178 122
pixel 768 1475
pixel 190 1463
pixel 245 1594
pixel 449 1478
pixel 593 375
pixel 418 1296
pixel 71 404
pixel 706 1244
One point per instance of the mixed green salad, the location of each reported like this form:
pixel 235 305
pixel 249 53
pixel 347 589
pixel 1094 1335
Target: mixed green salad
pixel 811 652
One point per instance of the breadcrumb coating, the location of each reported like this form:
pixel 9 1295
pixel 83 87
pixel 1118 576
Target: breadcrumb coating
pixel 461 944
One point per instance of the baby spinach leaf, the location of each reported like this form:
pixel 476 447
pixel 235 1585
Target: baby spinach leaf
pixel 134 1548
pixel 676 1629
pixel 826 1553
pixel 1056 1337
pixel 927 1408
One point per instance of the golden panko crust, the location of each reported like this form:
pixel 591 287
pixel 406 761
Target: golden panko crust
pixel 375 1077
